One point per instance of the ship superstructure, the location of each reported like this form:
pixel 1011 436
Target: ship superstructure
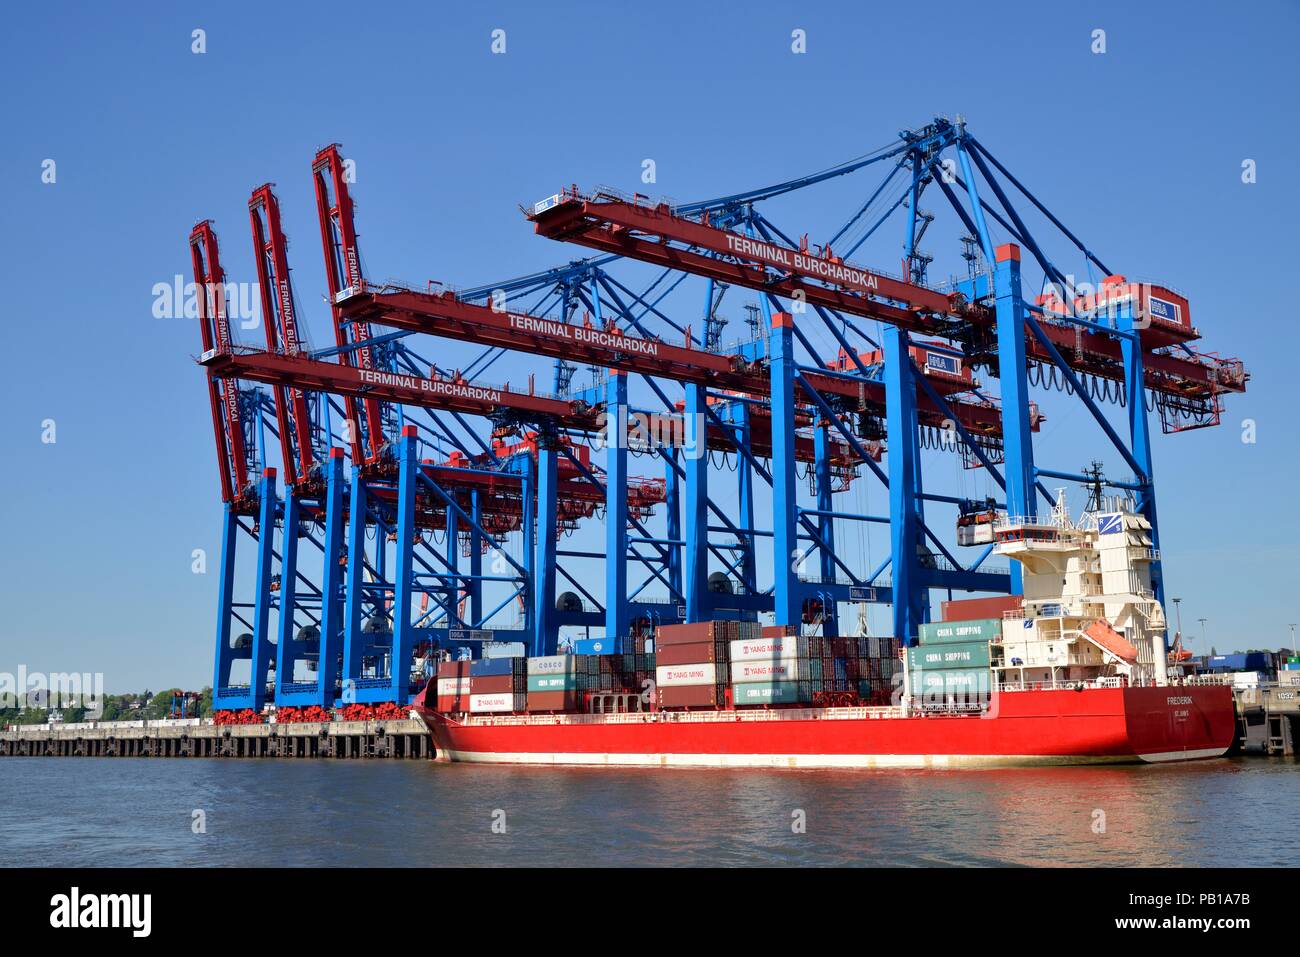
pixel 1090 612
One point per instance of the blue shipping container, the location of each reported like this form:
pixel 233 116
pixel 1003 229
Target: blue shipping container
pixel 492 666
pixel 603 646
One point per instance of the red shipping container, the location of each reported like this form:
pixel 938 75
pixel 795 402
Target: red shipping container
pixel 686 634
pixel 553 701
pixel 696 653
pixel 780 631
pixel 690 696
pixel 453 669
pixel 491 684
pixel 452 702
pixel 973 609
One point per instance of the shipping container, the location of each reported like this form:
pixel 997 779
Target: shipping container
pixel 451 703
pixel 494 684
pixel 684 634
pixel 693 654
pixel 970 609
pixel 602 646
pixel 496 703
pixel 552 665
pixel 494 666
pixel 454 669
pixel 1241 661
pixel 669 676
pixel 957 680
pixel 746 672
pixel 770 692
pixel 967 654
pixel 689 696
pixel 452 686
pixel 553 701
pixel 560 682
pixel 779 631
pixel 940 632
pixel 769 649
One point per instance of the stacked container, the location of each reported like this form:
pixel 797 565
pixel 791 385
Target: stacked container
pixel 453 687
pixel 693 662
pixel 498 685
pixel 553 683
pixel 784 668
pixel 767 670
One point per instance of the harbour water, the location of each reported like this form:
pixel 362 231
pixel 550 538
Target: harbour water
pixel 105 812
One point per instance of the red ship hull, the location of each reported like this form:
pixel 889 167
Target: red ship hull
pixel 1096 725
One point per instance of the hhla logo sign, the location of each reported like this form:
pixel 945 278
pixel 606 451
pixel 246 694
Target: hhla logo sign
pixel 75 910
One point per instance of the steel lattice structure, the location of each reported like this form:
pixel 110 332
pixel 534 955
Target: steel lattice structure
pixel 405 476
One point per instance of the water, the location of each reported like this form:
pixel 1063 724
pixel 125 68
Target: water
pixel 121 812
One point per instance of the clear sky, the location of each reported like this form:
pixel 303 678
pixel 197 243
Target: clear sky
pixel 1139 149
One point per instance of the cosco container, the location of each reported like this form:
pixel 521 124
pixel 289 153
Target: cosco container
pixel 680 676
pixel 967 654
pixel 551 665
pixel 942 632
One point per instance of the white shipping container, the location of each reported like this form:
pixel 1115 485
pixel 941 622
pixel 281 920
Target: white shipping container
pixel 487 703
pixel 550 665
pixel 685 676
pixel 450 686
pixel 753 671
pixel 769 649
pixel 1245 679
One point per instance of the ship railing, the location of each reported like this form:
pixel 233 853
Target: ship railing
pixel 688 717
pixel 1066 684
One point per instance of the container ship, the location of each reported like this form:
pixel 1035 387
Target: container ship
pixel 1075 670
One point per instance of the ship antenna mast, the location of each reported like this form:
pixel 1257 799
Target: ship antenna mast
pixel 1095 484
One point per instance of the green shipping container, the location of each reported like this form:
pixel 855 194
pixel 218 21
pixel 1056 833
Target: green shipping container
pixel 969 681
pixel 967 654
pixel 561 682
pixel 943 632
pixel 776 692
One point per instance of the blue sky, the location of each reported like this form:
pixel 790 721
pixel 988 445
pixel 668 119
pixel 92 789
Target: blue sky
pixel 1139 150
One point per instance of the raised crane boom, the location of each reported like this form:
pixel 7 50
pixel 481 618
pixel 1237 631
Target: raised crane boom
pixel 343 271
pixel 223 394
pixel 659 235
pixel 282 335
